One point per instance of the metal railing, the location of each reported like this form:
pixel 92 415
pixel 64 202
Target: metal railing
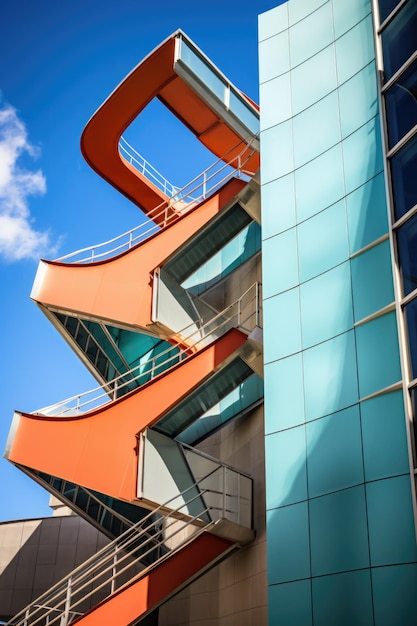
pixel 167 212
pixel 245 314
pixel 144 167
pixel 119 563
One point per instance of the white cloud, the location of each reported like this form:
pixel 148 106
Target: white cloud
pixel 18 237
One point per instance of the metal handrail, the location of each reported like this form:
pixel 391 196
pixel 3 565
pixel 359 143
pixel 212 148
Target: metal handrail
pixel 107 569
pixel 144 167
pixel 231 316
pixel 167 212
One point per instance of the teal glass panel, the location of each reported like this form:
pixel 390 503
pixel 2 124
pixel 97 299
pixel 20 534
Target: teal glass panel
pixel 241 399
pixel 284 404
pixel 194 254
pixel 323 67
pixel 385 450
pixel 391 521
pixel 330 377
pixel 372 282
pixel 311 195
pixel 274 21
pixel 278 206
pixel 206 396
pixel 338 532
pixel 311 34
pixel 395 590
pixel 275 101
pixel 334 452
pixel 244 112
pixel 343 599
pixel 288 551
pixel 290 604
pixel 326 306
pixel 285 467
pixel 355 50
pixel 299 10
pixel 362 155
pixel 348 14
pixel 274 57
pixel 321 136
pixel 358 100
pixel 203 70
pixel 323 241
pixel 367 213
pixel 277 152
pixel 282 319
pixel 378 354
pixel 280 265
pixel 234 253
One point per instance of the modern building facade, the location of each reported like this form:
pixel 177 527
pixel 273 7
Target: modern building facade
pixel 338 172
pixel 222 509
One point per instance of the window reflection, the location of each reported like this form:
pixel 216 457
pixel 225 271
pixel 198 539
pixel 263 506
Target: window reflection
pixel 385 8
pixel 401 105
pixel 411 318
pixel 404 179
pixel 399 39
pixel 407 253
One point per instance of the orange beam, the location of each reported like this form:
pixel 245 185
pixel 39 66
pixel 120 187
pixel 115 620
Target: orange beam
pixel 98 449
pixel 119 290
pixel 150 590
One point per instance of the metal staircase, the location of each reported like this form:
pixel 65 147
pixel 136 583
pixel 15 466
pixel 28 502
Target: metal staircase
pixel 180 202
pixel 245 314
pixel 221 523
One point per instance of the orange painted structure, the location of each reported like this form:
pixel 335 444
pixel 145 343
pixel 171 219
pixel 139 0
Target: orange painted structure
pixel 120 289
pixel 98 450
pixel 155 77
pixel 148 591
pixel 79 448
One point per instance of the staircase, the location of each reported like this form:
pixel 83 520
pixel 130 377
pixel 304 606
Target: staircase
pixel 114 587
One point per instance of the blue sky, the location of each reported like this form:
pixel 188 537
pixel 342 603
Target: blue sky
pixel 58 62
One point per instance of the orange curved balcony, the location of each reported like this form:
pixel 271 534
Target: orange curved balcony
pixel 163 74
pixel 119 289
pixel 98 449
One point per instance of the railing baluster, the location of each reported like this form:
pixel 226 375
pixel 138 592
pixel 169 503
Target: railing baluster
pixel 65 616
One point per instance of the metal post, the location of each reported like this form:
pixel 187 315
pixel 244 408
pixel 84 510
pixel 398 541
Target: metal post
pixel 114 572
pixel 224 492
pixel 238 497
pixel 130 239
pixel 65 616
pixel 26 622
pixel 204 185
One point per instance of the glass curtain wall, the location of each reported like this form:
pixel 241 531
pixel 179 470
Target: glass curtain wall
pixel 397 30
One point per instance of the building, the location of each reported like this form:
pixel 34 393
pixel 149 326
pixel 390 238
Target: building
pixel 167 456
